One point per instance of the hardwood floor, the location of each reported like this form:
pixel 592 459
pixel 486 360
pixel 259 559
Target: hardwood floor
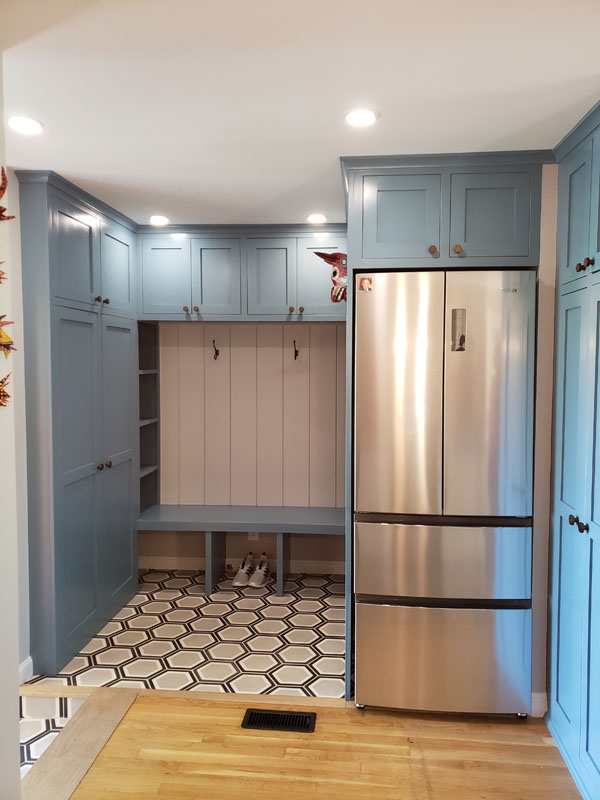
pixel 171 746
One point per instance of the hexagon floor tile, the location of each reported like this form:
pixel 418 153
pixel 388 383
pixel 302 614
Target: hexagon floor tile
pixel 41 721
pixel 172 636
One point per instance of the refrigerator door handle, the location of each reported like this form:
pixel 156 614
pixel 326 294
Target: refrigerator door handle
pixel 459 330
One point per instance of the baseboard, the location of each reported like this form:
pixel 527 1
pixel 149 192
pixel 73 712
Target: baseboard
pixel 539 704
pixel 195 562
pixel 25 670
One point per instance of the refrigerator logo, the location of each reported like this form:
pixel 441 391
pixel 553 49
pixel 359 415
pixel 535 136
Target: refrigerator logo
pixel 512 291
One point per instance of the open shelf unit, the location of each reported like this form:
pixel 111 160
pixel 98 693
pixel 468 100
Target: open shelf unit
pixel 149 414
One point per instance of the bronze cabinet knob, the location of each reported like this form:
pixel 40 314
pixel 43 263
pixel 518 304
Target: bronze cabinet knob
pixel 583 527
pixel 573 520
pixel 196 309
pixel 98 299
pixel 291 309
pixel 100 467
pixel 106 301
pixel 579 267
pixel 588 262
pixel 433 249
pixel 109 464
pixel 458 248
pixel 301 309
pixel 186 309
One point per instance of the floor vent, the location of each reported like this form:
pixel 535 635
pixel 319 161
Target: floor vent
pixel 296 721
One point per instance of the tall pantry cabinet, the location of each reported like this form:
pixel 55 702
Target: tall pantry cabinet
pixel 81 373
pixel 574 697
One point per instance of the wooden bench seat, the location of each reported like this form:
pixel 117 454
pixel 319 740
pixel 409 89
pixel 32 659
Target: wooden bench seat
pixel 216 520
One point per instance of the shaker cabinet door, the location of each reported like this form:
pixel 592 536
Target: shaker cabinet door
pixel 315 276
pixel 166 276
pixel 117 269
pixel 74 256
pixel 573 234
pixel 401 216
pixel 489 214
pixel 272 276
pixel 216 276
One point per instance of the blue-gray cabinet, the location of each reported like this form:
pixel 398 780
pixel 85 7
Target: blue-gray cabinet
pixel 444 211
pixel 117 269
pixel 166 276
pixel 574 206
pixel 314 276
pixel 272 276
pixel 74 250
pixel 216 276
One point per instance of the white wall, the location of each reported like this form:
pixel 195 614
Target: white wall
pixel 543 430
pixel 10 488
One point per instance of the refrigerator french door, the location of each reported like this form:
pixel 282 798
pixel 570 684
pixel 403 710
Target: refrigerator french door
pixel 443 459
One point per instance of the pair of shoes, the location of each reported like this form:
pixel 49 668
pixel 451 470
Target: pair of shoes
pixel 246 577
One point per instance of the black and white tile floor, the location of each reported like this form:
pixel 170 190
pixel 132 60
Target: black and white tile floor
pixel 41 720
pixel 172 636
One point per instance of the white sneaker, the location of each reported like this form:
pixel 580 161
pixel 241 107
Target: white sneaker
pixel 243 574
pixel 261 573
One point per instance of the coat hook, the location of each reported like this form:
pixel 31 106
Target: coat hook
pixel 216 355
pixel 296 351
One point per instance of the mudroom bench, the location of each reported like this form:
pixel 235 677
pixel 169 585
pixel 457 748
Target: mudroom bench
pixel 215 521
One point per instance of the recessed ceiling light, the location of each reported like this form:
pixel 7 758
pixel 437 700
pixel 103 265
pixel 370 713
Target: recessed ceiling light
pixel 158 219
pixel 316 219
pixel 361 118
pixel 25 125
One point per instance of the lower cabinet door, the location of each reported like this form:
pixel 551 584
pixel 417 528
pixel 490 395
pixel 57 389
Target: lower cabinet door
pixel 444 659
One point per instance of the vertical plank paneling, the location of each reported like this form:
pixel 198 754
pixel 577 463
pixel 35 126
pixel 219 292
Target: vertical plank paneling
pixel 340 417
pixel 296 384
pixel 191 413
pixel 217 416
pixel 323 381
pixel 269 417
pixel 243 415
pixel 169 414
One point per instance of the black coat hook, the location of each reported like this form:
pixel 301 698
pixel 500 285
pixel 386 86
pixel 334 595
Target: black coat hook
pixel 216 355
pixel 296 351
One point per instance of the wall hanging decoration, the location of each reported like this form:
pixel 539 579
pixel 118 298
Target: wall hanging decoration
pixel 2 275
pixel 3 185
pixel 6 343
pixel 339 273
pixel 4 395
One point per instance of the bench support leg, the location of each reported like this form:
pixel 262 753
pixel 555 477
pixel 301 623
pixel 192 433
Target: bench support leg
pixel 283 561
pixel 214 558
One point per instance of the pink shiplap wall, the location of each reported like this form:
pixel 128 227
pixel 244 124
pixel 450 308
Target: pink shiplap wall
pixel 255 426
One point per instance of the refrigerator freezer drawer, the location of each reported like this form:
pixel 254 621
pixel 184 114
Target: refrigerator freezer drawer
pixel 442 561
pixel 441 659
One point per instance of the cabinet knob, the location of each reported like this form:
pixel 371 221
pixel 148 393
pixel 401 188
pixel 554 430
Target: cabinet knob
pixel 433 249
pixel 583 527
pixel 106 301
pixel 301 309
pixel 108 464
pixel 291 309
pixel 186 309
pixel 100 467
pixel 588 262
pixel 196 309
pixel 98 299
pixel 573 520
pixel 579 267
pixel 458 248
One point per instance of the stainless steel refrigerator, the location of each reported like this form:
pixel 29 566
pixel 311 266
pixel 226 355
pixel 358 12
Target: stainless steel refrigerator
pixel 444 366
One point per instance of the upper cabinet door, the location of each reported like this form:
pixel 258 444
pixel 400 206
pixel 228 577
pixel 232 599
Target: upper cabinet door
pixel 117 265
pixel 216 276
pixel 489 214
pixel 272 276
pixel 401 216
pixel 74 251
pixel 166 276
pixel 594 246
pixel 573 236
pixel 316 276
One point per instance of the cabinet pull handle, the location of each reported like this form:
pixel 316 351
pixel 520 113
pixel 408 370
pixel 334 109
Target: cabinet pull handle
pixel 588 262
pixel 291 309
pixel 186 309
pixel 433 249
pixel 216 349
pixel 457 248
pixel 98 299
pixel 301 309
pixel 100 467
pixel 108 464
pixel 579 267
pixel 583 527
pixel 106 301
pixel 196 309
pixel 573 520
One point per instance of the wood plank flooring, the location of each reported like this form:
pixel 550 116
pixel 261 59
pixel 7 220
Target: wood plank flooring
pixel 174 746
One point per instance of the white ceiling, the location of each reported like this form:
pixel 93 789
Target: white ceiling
pixel 231 111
